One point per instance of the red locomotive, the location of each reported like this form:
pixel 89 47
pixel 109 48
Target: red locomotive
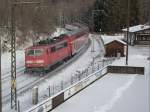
pixel 51 51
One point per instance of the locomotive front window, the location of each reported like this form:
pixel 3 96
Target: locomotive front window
pixel 38 52
pixel 30 52
pixel 34 52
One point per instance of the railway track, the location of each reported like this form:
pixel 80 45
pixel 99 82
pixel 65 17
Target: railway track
pixel 36 80
pixel 7 74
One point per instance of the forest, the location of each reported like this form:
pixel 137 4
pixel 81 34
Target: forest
pixel 115 16
pixel 43 16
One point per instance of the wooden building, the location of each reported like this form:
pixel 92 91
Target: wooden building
pixel 138 35
pixel 114 47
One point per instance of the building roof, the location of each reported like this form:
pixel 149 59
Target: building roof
pixel 137 28
pixel 109 39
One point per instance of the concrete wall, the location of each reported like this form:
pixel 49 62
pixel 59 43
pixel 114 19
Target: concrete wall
pixel 126 70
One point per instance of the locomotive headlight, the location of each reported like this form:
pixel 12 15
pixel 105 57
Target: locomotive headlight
pixel 40 61
pixel 29 62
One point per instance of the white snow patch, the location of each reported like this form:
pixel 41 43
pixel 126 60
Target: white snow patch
pixel 116 96
pixel 137 28
pixel 6 60
pixel 58 32
pixel 107 39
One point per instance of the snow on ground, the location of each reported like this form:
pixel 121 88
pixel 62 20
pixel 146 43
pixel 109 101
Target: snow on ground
pixel 137 56
pixel 112 93
pixel 6 60
pixel 116 92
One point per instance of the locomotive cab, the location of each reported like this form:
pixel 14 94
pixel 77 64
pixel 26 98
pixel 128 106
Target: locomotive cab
pixel 36 58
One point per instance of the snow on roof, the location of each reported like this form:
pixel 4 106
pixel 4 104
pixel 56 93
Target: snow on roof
pixel 137 28
pixel 58 32
pixel 71 27
pixel 108 39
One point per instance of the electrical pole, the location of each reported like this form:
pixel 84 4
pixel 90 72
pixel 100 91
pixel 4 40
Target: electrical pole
pixel 13 53
pixel 128 23
pixel 93 24
pixel 0 79
pixel 13 59
pixel 92 48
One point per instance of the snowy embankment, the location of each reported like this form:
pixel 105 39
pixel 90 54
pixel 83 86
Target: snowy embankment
pixel 6 61
pixel 116 92
pixel 65 74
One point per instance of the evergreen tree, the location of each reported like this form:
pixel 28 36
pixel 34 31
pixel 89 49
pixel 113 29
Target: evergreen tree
pixel 99 15
pixel 115 16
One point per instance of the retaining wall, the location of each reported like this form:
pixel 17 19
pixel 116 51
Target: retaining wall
pixel 126 70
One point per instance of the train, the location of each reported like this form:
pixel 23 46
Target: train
pixel 46 53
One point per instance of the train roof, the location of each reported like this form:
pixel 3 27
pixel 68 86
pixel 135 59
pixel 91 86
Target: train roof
pixel 51 41
pixel 71 30
pixel 75 29
pixel 37 47
pixel 61 37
